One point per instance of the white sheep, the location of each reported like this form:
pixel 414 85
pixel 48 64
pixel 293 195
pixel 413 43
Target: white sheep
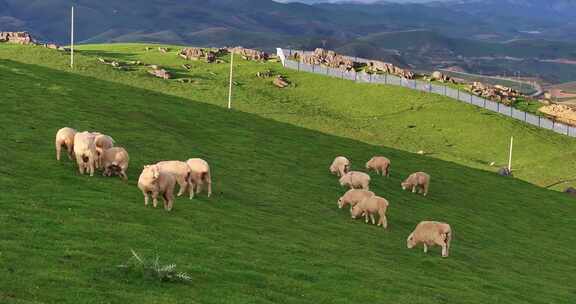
pixel 353 197
pixel 181 172
pixel 200 175
pixel 85 152
pixel 418 181
pixel 65 138
pixel 340 166
pixel 380 164
pixel 371 206
pixel 356 180
pixel 103 142
pixel 154 181
pixel 115 161
pixel 431 233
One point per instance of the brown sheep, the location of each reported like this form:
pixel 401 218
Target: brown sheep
pixel 181 172
pixel 431 233
pixel 65 137
pixel 115 161
pixel 418 181
pixel 340 166
pixel 353 197
pixel 154 181
pixel 371 206
pixel 200 176
pixel 380 164
pixel 356 180
pixel 85 151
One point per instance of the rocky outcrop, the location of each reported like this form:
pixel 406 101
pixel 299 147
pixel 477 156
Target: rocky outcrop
pixel 388 68
pixel 197 54
pixel 250 54
pixel 498 93
pixel 327 58
pixel 562 113
pixel 440 77
pixel 17 37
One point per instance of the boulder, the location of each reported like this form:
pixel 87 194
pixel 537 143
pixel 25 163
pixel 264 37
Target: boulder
pixel 249 54
pixel 504 172
pixel 280 82
pixel 163 50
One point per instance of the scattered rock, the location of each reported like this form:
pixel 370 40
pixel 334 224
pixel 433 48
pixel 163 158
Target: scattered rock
pixel 421 152
pixel 197 53
pixel 160 73
pixel 492 164
pixel 280 82
pixel 148 48
pixel 186 80
pixel 134 62
pixel 439 76
pixel 163 50
pixel 563 113
pixel 187 66
pixel 570 191
pixel 498 93
pixel 504 172
pixel 265 74
pixel 388 68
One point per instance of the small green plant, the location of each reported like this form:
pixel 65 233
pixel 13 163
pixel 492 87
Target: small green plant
pixel 152 268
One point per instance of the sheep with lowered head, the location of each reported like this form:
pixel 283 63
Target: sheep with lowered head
pixel 353 197
pixel 115 161
pixel 380 164
pixel 340 166
pixel 356 180
pixel 103 142
pixel 417 182
pixel 371 206
pixel 154 181
pixel 85 152
pixel 181 172
pixel 199 176
pixel 431 233
pixel 65 138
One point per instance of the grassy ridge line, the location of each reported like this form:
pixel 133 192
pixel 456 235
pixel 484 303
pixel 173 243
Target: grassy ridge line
pixel 274 234
pixel 381 115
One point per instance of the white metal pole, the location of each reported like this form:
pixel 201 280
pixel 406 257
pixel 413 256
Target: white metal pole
pixel 72 39
pixel 510 157
pixel 230 87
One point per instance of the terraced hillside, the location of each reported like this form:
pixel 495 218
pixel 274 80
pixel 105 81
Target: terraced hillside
pixel 272 232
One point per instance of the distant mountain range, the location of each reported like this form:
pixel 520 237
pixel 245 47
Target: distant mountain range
pixel 473 35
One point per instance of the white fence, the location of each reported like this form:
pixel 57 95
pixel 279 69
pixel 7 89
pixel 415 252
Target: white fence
pixel 541 122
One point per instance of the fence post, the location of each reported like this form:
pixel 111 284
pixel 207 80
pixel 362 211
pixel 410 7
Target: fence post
pixel 539 122
pixel 471 98
pixel 342 74
pixel 370 79
pixel 484 102
pixel 298 66
pixel 525 117
pixel 498 107
pixel 386 78
pixel 313 68
pixel 553 124
pixel 415 85
pixel 429 88
pixel 355 76
pixel 458 90
pixel 511 111
pixel 445 91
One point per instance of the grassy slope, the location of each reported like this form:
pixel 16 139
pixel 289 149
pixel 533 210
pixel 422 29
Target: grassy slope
pixel 272 233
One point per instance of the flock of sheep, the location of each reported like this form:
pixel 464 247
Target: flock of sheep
pixel 364 202
pixel 94 150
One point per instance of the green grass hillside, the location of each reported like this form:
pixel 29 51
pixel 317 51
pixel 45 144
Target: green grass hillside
pixel 272 232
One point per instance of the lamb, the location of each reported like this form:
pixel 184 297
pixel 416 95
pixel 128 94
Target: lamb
pixel 380 164
pixel 371 206
pixel 353 197
pixel 200 175
pixel 340 166
pixel 103 142
pixel 431 233
pixel 115 161
pixel 85 151
pixel 154 181
pixel 418 181
pixel 356 180
pixel 181 172
pixel 65 137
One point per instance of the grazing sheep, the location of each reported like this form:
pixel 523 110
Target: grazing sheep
pixel 356 180
pixel 103 142
pixel 181 172
pixel 340 166
pixel 353 197
pixel 418 181
pixel 65 137
pixel 431 233
pixel 380 164
pixel 200 175
pixel 115 161
pixel 154 181
pixel 85 151
pixel 369 207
